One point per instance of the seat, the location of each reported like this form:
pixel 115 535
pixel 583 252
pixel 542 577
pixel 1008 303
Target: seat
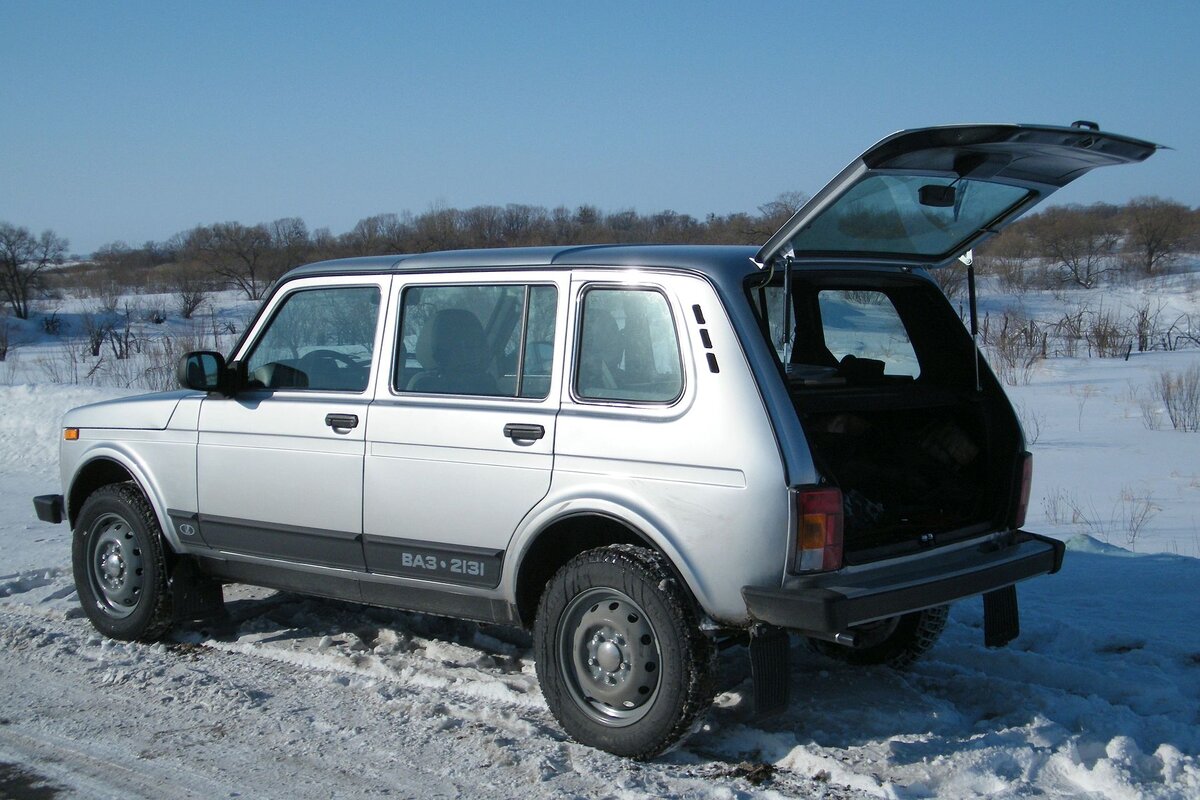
pixel 453 350
pixel 603 347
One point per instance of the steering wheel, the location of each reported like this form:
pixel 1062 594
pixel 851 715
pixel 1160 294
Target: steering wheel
pixel 313 356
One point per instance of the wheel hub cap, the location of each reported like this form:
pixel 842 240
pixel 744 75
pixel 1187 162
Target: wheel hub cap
pixel 608 657
pixel 113 566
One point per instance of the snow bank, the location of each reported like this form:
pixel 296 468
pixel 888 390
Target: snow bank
pixel 1098 697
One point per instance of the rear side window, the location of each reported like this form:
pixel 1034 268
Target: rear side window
pixel 628 349
pixel 864 324
pixel 493 340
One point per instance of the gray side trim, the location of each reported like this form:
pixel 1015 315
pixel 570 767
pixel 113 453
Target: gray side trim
pixel 430 601
pixel 288 542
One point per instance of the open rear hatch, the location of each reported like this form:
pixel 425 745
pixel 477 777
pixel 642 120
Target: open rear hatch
pixel 921 197
pixel 899 413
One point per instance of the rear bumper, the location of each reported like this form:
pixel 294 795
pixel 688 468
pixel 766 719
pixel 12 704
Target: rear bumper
pixel 49 507
pixel 832 602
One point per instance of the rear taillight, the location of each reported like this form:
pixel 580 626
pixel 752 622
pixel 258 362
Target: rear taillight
pixel 818 529
pixel 1023 492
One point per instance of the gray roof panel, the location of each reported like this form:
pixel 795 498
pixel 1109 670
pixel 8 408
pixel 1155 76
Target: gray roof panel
pixel 722 262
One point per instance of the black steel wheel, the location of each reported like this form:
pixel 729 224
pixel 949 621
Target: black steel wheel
pixel 620 656
pixel 120 565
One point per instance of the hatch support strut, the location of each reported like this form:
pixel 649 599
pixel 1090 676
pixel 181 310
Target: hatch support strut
pixel 968 258
pixel 786 334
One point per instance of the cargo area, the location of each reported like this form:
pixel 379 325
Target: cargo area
pixel 910 466
pixel 880 371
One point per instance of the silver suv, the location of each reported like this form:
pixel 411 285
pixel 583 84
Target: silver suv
pixel 637 451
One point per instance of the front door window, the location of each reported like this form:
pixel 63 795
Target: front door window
pixel 319 340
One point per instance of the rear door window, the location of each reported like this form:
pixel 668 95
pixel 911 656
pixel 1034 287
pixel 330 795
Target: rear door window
pixel 491 340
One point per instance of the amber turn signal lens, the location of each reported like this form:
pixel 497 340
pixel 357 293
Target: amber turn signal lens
pixel 70 434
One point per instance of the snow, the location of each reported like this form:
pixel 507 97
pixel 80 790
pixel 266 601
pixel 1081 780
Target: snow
pixel 1099 696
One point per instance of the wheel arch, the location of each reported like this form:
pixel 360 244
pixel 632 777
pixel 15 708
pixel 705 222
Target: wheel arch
pixel 566 536
pixel 108 467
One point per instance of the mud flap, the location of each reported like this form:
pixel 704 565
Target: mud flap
pixel 194 595
pixel 1001 617
pixel 769 669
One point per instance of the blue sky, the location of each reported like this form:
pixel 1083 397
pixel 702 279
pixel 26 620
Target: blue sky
pixel 133 121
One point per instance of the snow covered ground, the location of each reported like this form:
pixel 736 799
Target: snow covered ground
pixel 298 698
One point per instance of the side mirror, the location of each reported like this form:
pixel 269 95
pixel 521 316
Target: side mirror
pixel 204 371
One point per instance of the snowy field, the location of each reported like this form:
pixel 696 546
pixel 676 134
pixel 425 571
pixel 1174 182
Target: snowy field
pixel 1099 697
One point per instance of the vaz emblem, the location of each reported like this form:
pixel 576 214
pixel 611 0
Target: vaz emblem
pixel 186 529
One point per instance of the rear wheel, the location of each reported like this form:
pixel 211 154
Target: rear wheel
pixel 620 656
pixel 120 565
pixel 896 641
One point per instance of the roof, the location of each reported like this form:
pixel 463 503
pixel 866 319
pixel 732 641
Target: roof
pixel 722 262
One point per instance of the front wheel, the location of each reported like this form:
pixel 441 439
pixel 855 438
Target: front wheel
pixel 120 565
pixel 620 656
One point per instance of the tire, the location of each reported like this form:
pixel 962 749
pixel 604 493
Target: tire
pixel 120 565
pixel 895 642
pixel 620 655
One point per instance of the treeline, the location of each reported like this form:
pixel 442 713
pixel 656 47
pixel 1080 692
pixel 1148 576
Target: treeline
pixel 250 257
pixel 1066 245
pixel 1085 246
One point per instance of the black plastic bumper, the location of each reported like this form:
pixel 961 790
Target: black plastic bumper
pixel 49 507
pixel 833 602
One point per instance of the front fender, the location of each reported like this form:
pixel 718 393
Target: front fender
pixel 128 456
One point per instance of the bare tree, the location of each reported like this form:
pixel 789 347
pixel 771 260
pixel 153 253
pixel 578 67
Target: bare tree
pixel 484 225
pixel 290 242
pixel 437 229
pixel 236 252
pixel 1008 256
pixel 190 286
pixel 1083 241
pixel 376 235
pixel 23 258
pixel 773 214
pixel 1157 230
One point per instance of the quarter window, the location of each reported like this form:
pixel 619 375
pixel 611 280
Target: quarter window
pixel 628 349
pixel 864 324
pixel 495 340
pixel 320 340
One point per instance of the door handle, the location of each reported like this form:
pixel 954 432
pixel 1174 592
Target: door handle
pixel 342 421
pixel 518 432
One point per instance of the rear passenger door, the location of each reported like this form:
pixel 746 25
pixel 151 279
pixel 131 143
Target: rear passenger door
pixel 461 438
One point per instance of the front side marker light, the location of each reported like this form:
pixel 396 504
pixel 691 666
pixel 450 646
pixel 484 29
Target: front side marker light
pixel 70 434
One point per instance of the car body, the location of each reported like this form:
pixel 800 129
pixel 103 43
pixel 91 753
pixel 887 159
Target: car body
pixel 609 444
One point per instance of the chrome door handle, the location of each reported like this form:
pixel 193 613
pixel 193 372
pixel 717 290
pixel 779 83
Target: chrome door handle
pixel 526 433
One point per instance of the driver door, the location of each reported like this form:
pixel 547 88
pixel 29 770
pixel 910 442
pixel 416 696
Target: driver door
pixel 280 464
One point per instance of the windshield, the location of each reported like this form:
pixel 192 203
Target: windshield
pixel 882 214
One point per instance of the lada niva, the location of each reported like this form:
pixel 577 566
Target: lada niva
pixel 637 451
